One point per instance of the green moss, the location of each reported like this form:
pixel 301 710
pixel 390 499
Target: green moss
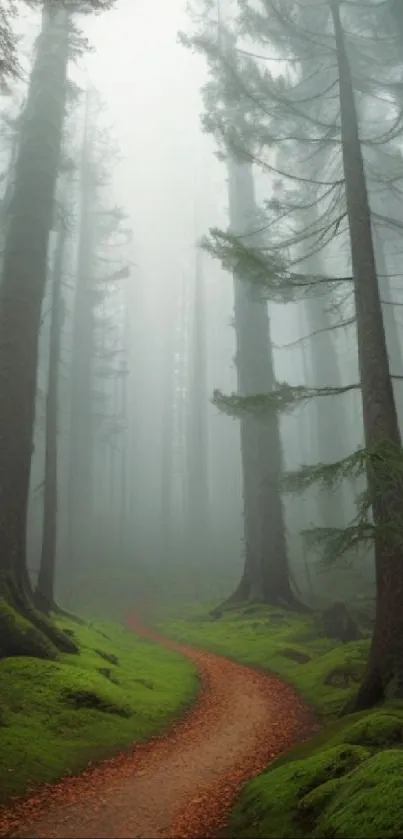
pixel 377 730
pixel 295 655
pixel 19 637
pixel 372 729
pixel 269 804
pixel 60 715
pixel 368 802
pixel 326 790
pixel 311 806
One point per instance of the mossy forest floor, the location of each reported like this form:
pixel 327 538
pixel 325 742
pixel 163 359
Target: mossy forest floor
pixel 57 716
pixel 346 781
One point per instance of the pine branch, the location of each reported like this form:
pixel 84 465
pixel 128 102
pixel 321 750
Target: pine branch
pixel 383 466
pixel 262 269
pixel 283 397
pixel 337 544
pixel 328 475
pixel 385 458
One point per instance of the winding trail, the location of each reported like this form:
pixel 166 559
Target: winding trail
pixel 183 783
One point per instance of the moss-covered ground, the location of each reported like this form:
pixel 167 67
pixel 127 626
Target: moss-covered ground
pixel 346 781
pixel 324 671
pixel 58 716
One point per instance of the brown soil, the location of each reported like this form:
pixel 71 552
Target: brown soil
pixel 183 783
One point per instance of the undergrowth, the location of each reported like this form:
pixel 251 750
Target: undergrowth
pixel 57 716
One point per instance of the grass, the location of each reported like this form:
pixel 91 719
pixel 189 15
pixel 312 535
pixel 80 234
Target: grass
pixel 346 780
pixel 58 716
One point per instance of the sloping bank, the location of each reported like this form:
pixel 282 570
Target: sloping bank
pixel 346 781
pixel 58 716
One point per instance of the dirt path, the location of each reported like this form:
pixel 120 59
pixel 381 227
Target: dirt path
pixel 183 783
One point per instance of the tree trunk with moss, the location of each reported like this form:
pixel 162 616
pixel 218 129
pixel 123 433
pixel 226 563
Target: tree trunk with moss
pixel 30 220
pixel 385 665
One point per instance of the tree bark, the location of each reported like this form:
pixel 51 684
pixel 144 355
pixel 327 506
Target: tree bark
pixel 81 423
pixel 385 665
pixel 389 317
pixel 167 506
pixel 44 593
pixel 30 220
pixel 266 571
pixel 198 518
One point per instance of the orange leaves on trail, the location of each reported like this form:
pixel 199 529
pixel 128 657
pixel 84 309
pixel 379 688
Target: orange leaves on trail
pixel 183 783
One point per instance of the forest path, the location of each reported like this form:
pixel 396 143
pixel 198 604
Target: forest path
pixel 182 783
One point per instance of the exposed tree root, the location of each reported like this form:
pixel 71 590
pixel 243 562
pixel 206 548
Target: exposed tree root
pixel 64 613
pixel 370 693
pixel 292 604
pixel 63 642
pixel 25 630
pixel 18 636
pixel 48 607
pixel 242 596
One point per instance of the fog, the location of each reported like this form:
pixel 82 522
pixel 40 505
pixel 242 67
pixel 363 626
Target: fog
pixel 141 446
pixel 201 416
pixel 167 180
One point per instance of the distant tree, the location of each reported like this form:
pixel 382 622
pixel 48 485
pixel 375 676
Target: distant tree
pixel 176 429
pixel 109 387
pixel 81 414
pixel 98 369
pixel 45 586
pixel 198 508
pixel 167 443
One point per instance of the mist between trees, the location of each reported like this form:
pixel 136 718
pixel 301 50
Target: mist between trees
pixel 137 462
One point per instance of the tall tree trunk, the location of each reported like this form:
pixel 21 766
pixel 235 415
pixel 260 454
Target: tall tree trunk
pixel 167 511
pixel 123 521
pixel 198 518
pixel 307 440
pixel 24 271
pixel 44 594
pixel 181 414
pixel 174 467
pixel 389 315
pixel 385 663
pixel 266 572
pixel 81 427
pixel 330 413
